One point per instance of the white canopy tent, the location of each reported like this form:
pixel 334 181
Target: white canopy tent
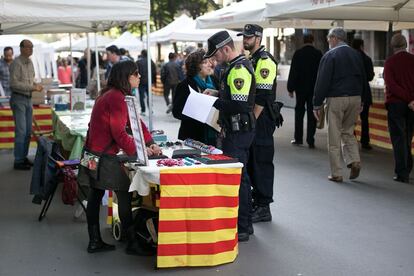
pixel 273 14
pixel 62 16
pixel 128 41
pixel 375 13
pixel 43 54
pixel 81 44
pixel 184 29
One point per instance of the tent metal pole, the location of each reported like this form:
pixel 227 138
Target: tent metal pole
pixel 149 78
pixel 98 77
pixel 88 59
pixel 71 61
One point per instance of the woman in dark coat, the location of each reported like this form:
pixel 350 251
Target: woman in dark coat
pixel 107 134
pixel 199 73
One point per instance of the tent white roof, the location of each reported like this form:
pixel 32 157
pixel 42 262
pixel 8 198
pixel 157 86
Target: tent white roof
pixel 358 12
pixel 235 15
pixel 81 44
pixel 128 41
pixel 184 29
pixel 277 14
pixel 62 16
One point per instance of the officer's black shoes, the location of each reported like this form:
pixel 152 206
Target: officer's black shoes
pixel 243 237
pixel 295 142
pixel 311 146
pixel 261 213
pixel 399 178
pixel 96 244
pixel 21 166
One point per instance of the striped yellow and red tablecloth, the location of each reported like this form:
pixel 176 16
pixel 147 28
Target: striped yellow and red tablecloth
pixel 378 126
pixel 42 115
pixel 198 216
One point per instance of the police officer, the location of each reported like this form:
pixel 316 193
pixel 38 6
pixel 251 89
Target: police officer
pixel 235 105
pixel 260 165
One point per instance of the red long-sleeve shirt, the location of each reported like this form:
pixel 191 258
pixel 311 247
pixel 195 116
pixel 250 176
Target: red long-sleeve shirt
pixel 108 122
pixel 399 78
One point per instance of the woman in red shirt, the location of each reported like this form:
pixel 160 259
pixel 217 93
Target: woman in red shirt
pixel 107 134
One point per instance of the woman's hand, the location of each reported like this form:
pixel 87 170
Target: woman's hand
pixel 156 150
pixel 211 92
pixel 150 152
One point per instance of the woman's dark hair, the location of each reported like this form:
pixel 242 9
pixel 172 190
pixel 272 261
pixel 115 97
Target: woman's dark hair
pixel 193 62
pixel 119 77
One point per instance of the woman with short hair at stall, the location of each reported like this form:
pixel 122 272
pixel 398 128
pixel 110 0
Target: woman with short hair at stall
pixel 107 135
pixel 199 72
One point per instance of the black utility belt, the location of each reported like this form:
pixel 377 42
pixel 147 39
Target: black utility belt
pixel 241 122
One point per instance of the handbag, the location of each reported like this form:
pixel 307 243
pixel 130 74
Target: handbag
pixel 105 168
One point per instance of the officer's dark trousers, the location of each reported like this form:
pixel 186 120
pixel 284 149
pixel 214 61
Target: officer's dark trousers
pixel 237 145
pixel 400 125
pixel 260 166
pixel 304 103
pixel 364 125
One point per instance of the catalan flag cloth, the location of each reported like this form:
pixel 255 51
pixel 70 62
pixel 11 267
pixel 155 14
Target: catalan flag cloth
pixel 198 216
pixel 42 115
pixel 378 127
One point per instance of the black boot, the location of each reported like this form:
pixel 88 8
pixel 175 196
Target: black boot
pixel 261 213
pixel 134 247
pixel 96 244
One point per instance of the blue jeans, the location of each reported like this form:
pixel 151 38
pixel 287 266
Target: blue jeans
pixel 143 92
pixel 22 114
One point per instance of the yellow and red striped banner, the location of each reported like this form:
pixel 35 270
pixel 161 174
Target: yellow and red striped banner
pixel 378 127
pixel 198 216
pixel 42 115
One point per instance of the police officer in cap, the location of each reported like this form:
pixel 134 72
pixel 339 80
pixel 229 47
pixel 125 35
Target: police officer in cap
pixel 260 165
pixel 235 105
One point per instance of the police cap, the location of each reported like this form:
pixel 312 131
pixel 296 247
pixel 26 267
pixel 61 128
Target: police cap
pixel 217 41
pixel 251 30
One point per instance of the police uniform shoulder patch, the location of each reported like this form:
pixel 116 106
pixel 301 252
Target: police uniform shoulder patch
pixel 238 83
pixel 264 72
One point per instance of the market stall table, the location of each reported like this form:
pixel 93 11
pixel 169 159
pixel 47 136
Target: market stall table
pixel 69 128
pixel 198 211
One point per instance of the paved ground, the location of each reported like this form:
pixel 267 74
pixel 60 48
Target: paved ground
pixel 319 228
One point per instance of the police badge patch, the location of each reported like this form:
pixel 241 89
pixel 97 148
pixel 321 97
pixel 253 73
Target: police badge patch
pixel 238 83
pixel 264 73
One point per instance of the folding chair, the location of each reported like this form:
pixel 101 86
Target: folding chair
pixel 56 163
pixel 37 131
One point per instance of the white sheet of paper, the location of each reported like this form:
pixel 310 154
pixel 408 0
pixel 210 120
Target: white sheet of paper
pixel 198 105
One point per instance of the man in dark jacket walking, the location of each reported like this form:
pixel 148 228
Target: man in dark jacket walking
pixel 341 81
pixel 143 85
pixel 170 73
pixel 301 81
pixel 358 44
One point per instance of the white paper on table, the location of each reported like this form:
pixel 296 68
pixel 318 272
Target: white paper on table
pixel 198 106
